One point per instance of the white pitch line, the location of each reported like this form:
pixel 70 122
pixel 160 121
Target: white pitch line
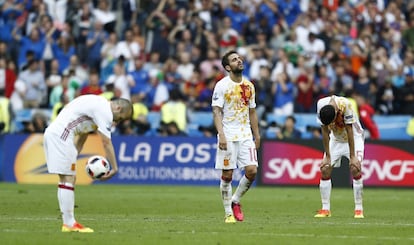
pixel 159 219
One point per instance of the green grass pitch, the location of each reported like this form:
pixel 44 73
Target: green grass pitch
pixel 138 214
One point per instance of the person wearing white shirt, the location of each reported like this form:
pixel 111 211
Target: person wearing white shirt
pixel 64 139
pixel 122 81
pixel 235 118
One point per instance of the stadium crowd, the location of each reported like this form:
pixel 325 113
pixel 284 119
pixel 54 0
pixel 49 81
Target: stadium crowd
pixel 162 53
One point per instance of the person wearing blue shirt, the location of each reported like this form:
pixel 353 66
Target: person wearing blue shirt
pixel 94 41
pixel 267 11
pixel 140 76
pixel 62 51
pixel 290 9
pixel 33 42
pixel 238 18
pixel 284 95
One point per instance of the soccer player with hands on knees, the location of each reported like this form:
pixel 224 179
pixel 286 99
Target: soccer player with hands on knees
pixel 65 137
pixel 235 119
pixel 342 136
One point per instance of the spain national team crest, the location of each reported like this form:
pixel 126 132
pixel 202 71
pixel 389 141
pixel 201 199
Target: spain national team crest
pixel 246 93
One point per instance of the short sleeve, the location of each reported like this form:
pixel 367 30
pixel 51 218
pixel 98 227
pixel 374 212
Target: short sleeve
pixel 218 96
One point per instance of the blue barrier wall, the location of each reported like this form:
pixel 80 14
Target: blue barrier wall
pixel 190 161
pixel 141 160
pixel 390 127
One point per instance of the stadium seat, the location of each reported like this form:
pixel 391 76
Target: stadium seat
pixel 393 127
pixel 154 119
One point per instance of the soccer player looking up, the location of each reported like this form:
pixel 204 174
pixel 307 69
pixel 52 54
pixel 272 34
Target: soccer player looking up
pixel 342 136
pixel 238 136
pixel 65 137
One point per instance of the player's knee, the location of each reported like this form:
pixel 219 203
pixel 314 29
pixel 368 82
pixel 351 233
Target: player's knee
pixel 251 173
pixel 355 171
pixel 227 175
pixel 325 168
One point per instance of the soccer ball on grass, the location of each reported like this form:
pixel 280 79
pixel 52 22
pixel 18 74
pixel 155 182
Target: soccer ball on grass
pixel 97 166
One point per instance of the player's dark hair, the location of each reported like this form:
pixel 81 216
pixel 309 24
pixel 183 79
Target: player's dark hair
pixel 327 114
pixel 225 60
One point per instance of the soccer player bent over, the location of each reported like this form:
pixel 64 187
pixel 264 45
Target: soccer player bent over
pixel 238 136
pixel 342 136
pixel 65 137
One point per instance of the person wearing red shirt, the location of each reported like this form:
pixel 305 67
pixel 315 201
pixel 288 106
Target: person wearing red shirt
pixel 93 86
pixel 366 113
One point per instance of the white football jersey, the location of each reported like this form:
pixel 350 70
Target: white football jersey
pixel 84 114
pixel 338 131
pixel 235 99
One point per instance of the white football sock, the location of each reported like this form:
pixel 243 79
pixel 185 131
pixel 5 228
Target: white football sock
pixel 325 187
pixel 226 192
pixel 66 197
pixel 242 188
pixel 358 192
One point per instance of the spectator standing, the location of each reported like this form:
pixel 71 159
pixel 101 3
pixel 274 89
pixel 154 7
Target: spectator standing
pixel 290 10
pixel 128 49
pixel 158 26
pixel 141 78
pixel 238 17
pixel 173 78
pixel 54 78
pixel 33 42
pixel 256 59
pixel 140 114
pixel 387 98
pixel 304 98
pixel 63 50
pixel 323 85
pixel 283 65
pixel 10 78
pixel 83 24
pixel 228 36
pixel 154 63
pixel 63 89
pixel 366 113
pixel 158 92
pixel 265 93
pixel 175 110
pixel 57 10
pixel 94 42
pixel 80 73
pixel 103 14
pixel 93 85
pixel 407 94
pixel 362 84
pixel 208 64
pixel 122 81
pixel 34 85
pixel 108 56
pixel 203 101
pixel 185 67
pixel 284 95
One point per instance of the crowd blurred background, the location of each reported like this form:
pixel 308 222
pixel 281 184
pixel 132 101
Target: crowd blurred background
pixel 165 56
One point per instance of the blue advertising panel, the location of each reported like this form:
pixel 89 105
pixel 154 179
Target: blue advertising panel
pixel 167 160
pixel 141 160
pixel 1 156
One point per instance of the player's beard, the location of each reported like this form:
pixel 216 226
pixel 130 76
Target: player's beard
pixel 238 70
